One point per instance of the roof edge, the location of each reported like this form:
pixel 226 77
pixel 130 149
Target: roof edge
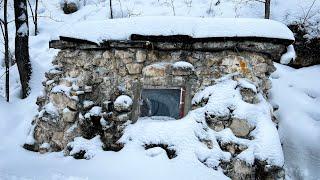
pixel 189 39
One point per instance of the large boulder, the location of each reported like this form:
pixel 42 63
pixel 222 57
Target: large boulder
pixel 182 68
pixel 240 127
pixel 70 6
pixel 156 70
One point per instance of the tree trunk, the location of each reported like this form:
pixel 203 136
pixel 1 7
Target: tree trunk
pixel 267 9
pixel 34 14
pixel 22 45
pixel 111 13
pixel 6 48
pixel 36 18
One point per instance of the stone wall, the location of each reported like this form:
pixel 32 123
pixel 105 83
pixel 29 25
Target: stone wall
pixel 81 92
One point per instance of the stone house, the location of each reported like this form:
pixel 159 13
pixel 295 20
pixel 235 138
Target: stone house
pixel 99 88
pixel 144 76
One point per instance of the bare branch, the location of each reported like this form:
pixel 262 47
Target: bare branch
pixel 2 28
pixel 305 18
pixel 32 14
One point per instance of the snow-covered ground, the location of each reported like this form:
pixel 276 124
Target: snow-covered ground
pixel 297 92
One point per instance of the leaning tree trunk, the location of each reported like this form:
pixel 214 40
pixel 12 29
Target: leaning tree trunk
pixel 267 9
pixel 22 45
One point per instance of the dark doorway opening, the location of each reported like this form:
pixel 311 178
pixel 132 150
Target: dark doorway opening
pixel 162 102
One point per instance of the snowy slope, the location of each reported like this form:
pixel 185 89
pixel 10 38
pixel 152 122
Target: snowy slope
pixel 297 92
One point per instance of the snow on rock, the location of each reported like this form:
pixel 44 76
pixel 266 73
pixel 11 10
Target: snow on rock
pixel 245 84
pixel 73 127
pixel 30 138
pixel 49 82
pixel 183 65
pixel 289 56
pixel 156 151
pixel 104 123
pixel 45 145
pixel 89 148
pixel 203 95
pixel 121 29
pixel 50 109
pixel 94 111
pixel 61 89
pixel 87 104
pixel 123 103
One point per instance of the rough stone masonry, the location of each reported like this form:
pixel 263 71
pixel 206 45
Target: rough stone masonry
pixel 82 92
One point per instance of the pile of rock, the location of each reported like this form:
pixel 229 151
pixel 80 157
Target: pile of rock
pixel 220 119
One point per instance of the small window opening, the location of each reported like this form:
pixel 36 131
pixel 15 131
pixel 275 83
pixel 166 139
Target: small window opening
pixel 162 102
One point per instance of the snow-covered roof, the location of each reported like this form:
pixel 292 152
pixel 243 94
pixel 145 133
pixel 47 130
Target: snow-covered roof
pixel 196 27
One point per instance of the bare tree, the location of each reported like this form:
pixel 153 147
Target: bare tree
pixel 309 10
pixel 111 13
pixel 172 7
pixel 267 7
pixel 22 45
pixel 4 30
pixel 34 14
